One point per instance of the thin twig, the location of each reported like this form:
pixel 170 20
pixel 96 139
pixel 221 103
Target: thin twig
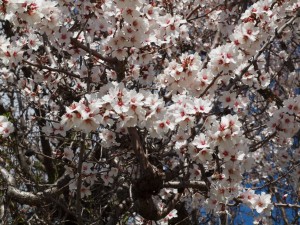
pixel 278 179
pixel 52 69
pixel 79 180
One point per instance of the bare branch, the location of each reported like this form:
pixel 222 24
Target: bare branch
pixel 200 185
pixel 29 198
pixel 78 44
pixel 287 205
pixel 52 69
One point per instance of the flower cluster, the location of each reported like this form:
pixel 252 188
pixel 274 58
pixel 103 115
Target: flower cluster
pixel 261 203
pixel 214 102
pixel 184 76
pixel 130 108
pixel 88 176
pixel 6 127
pixel 284 119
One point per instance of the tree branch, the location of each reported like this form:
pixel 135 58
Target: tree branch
pixel 200 185
pixel 170 206
pixel 52 69
pixel 114 63
pixel 29 198
pixel 258 145
pixel 78 44
pixel 287 205
pixel 138 147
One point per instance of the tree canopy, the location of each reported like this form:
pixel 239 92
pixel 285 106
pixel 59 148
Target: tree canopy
pixel 149 112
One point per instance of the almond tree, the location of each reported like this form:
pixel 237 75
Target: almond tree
pixel 149 112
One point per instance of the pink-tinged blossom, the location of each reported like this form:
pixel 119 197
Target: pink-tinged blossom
pixel 161 127
pixel 69 171
pixel 183 116
pixel 205 77
pixel 113 172
pixel 127 3
pixel 200 155
pixel 292 105
pixel 33 42
pixel 151 12
pixel 233 153
pixel 136 103
pixel 180 138
pixel 248 197
pixel 250 77
pixel 81 116
pixel 91 178
pixel 226 133
pixel 120 53
pixel 212 203
pixel 201 141
pixel 232 172
pixel 245 33
pixel 264 80
pixel 111 74
pixel 11 55
pixel 107 179
pixel 202 105
pixel 195 173
pixel 63 36
pixel 129 13
pixel 86 168
pixel 227 99
pixel 283 123
pixel 156 106
pixel 59 129
pixel 6 127
pixel 85 191
pixel 262 202
pixel 165 221
pixel 204 155
pixel 223 58
pixel 108 138
pixel 68 154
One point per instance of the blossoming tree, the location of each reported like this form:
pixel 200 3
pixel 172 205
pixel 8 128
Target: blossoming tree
pixel 149 112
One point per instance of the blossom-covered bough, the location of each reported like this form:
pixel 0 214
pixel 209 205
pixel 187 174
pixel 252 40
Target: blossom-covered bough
pixel 141 112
